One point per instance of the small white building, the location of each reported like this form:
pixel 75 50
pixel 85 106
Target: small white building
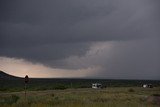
pixel 96 85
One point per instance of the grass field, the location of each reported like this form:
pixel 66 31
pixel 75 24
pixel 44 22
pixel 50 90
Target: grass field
pixel 35 84
pixel 83 97
pixel 61 92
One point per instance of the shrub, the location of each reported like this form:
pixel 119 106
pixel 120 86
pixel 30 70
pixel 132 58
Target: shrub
pixel 100 100
pixel 156 95
pixel 14 98
pixel 3 89
pixel 56 98
pixel 60 87
pixel 10 100
pixel 52 95
pixel 131 90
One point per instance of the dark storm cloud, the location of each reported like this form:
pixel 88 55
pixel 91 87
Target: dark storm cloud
pixel 124 59
pixel 45 53
pixel 39 22
pixel 52 21
pixel 51 31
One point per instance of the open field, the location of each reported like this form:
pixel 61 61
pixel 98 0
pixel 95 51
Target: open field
pixel 62 92
pixel 38 84
pixel 84 97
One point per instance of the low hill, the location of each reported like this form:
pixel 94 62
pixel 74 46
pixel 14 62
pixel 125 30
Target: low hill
pixel 4 75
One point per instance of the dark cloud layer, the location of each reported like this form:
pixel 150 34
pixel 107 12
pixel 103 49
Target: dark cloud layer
pixel 52 31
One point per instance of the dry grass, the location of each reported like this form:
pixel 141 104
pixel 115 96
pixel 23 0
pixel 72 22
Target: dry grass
pixel 109 97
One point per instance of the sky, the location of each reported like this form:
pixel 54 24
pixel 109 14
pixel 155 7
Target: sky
pixel 111 39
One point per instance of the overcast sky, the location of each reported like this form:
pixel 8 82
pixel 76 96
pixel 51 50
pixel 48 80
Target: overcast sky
pixel 114 39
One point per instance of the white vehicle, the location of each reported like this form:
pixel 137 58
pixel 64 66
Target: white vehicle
pixel 147 86
pixel 96 85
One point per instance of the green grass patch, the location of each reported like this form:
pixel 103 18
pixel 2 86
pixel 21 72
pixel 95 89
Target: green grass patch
pixel 84 97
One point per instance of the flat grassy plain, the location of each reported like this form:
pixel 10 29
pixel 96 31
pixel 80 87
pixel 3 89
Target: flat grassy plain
pixel 38 84
pixel 83 97
pixel 70 92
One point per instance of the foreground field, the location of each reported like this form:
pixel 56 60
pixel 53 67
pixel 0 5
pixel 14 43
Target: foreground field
pixel 108 97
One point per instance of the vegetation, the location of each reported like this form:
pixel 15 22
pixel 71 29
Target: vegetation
pixel 86 97
pixel 77 93
pixel 131 90
pixel 10 85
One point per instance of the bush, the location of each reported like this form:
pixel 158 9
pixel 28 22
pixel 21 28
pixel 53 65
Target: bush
pixel 56 98
pixel 156 95
pixel 100 100
pixel 14 98
pixel 131 90
pixel 52 95
pixel 60 87
pixel 3 89
pixel 10 100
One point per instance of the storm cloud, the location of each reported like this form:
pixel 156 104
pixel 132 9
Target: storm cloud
pixel 120 38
